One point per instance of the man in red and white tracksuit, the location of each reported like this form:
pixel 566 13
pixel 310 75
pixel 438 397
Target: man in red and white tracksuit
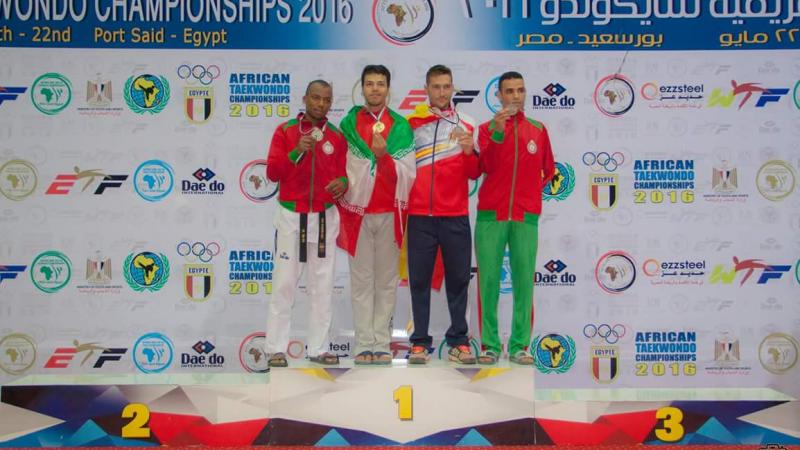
pixel 307 157
pixel 439 214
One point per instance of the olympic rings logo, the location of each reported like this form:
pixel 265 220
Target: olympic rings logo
pixel 606 332
pixel 205 75
pixel 198 251
pixel 603 160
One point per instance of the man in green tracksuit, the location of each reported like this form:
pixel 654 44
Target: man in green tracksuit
pixel 517 161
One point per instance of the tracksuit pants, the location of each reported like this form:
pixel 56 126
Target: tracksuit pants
pixel 425 236
pixel 491 239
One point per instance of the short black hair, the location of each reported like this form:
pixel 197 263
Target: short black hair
pixel 320 82
pixel 436 70
pixel 508 76
pixel 379 69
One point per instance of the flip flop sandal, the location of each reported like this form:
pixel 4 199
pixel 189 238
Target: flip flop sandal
pixel 487 358
pixel 461 354
pixel 278 360
pixel 365 358
pixel 382 358
pixel 418 355
pixel 326 359
pixel 522 358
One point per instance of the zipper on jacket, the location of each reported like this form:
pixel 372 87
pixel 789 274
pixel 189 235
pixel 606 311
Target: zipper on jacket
pixel 514 174
pixel 433 164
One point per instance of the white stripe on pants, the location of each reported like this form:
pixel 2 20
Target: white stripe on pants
pixel 373 283
pixel 319 279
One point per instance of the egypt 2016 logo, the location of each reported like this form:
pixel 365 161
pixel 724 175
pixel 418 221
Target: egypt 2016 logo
pixel 663 181
pixel 615 272
pixel 254 184
pixel 662 352
pixel 561 185
pixel 146 271
pixel 553 353
pixel 402 23
pixel 146 93
pixel 614 95
pixel 604 359
pixel 198 93
pixel 251 353
pixel 198 273
pixel 603 182
pixel 250 271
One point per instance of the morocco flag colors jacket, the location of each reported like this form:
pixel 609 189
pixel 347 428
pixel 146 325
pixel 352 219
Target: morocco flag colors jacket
pixel 303 177
pixel 518 163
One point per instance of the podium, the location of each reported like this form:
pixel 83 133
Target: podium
pixel 441 404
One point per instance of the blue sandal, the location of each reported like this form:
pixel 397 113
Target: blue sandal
pixel 364 358
pixel 382 358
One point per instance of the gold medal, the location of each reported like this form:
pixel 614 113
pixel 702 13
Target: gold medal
pixel 316 133
pixel 378 127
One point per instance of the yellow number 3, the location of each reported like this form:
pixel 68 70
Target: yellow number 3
pixel 137 428
pixel 671 430
pixel 404 397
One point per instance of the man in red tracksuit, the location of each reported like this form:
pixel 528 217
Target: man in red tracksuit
pixel 307 157
pixel 518 162
pixel 439 214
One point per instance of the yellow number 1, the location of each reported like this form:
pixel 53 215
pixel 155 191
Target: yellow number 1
pixel 672 429
pixel 404 396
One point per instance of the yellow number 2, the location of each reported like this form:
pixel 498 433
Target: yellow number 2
pixel 404 397
pixel 671 430
pixel 137 428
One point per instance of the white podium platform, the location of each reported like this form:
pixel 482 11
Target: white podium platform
pixel 437 404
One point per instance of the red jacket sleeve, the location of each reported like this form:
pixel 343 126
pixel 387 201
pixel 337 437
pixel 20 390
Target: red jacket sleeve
pixel 278 162
pixel 548 161
pixel 472 165
pixel 490 142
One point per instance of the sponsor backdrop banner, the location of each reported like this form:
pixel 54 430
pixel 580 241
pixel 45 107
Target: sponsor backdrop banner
pixel 137 219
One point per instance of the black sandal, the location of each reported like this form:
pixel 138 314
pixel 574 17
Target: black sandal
pixel 278 360
pixel 326 359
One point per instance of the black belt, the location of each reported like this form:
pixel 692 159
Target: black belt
pixel 304 236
